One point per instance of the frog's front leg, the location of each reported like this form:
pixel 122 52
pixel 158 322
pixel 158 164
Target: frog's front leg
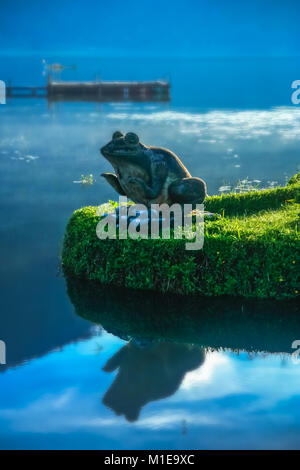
pixel 159 173
pixel 114 182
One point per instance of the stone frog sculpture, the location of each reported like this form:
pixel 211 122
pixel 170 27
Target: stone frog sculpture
pixel 150 175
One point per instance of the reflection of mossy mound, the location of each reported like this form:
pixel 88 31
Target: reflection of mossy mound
pixel 252 251
pixel 248 324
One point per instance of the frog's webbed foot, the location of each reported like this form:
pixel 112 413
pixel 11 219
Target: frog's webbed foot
pixel 142 188
pixel 188 191
pixel 114 182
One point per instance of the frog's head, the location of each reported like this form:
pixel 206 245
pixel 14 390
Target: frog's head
pixel 122 146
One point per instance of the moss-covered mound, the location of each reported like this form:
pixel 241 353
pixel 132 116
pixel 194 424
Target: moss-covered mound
pixel 253 250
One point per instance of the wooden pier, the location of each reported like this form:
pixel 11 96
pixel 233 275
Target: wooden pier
pixel 26 92
pixel 158 90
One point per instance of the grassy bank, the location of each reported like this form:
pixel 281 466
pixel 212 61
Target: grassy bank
pixel 253 250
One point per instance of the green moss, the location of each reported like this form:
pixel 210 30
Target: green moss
pixel 295 179
pixel 250 202
pixel 252 251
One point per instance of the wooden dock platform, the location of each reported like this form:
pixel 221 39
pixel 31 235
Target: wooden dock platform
pixel 158 90
pixel 26 92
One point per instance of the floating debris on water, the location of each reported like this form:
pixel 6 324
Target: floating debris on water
pixel 26 158
pixel 31 157
pixel 224 188
pixel 85 180
pixel 246 185
pixel 208 141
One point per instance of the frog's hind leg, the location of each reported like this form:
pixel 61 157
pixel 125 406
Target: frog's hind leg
pixel 114 182
pixel 187 191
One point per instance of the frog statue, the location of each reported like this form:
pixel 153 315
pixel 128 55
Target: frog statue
pixel 150 175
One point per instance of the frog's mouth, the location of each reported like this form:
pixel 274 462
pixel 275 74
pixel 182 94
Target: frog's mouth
pixel 118 153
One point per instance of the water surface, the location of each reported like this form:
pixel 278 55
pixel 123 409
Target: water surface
pixel 87 369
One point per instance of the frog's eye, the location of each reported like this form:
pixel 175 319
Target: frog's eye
pixel 117 135
pixel 131 138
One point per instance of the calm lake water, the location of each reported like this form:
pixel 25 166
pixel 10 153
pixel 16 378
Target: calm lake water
pixel 93 367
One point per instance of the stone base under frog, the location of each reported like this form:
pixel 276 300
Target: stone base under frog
pixel 150 175
pixel 146 217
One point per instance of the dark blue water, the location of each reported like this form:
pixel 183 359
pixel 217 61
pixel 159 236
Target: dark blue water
pixel 92 370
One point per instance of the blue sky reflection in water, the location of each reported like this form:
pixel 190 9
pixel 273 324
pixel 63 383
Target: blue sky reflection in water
pixel 69 382
pixel 229 401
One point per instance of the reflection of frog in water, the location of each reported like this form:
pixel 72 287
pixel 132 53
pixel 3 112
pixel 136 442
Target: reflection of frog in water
pixel 150 175
pixel 148 373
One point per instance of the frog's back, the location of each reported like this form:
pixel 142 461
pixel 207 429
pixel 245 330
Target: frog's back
pixel 174 164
